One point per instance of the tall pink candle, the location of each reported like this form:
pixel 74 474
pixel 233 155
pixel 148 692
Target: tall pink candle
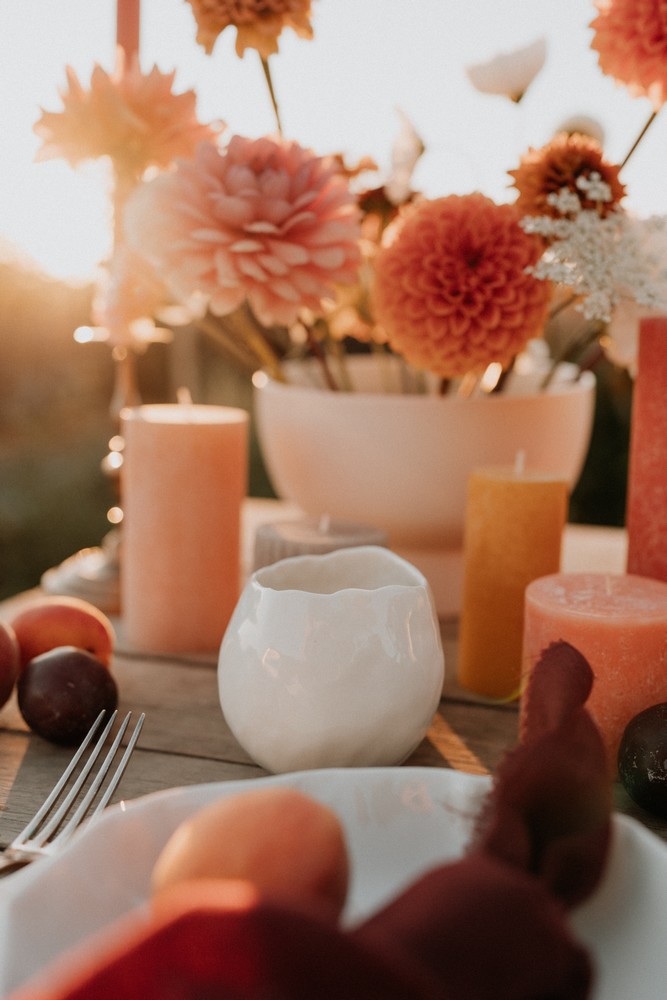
pixel 184 479
pixel 619 623
pixel 127 26
pixel 646 516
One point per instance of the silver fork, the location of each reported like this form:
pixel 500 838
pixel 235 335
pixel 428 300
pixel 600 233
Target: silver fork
pixel 51 826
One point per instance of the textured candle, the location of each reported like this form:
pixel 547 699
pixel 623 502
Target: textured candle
pixel 310 536
pixel 647 475
pixel 127 27
pixel 513 534
pixel 184 480
pixel 619 623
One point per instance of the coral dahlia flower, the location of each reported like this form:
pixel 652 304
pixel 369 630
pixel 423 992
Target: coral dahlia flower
pixel 262 219
pixel 451 290
pixel 559 165
pixel 630 37
pixel 134 118
pixel 258 23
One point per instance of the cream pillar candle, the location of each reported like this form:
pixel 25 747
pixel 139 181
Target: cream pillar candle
pixel 184 479
pixel 619 623
pixel 513 533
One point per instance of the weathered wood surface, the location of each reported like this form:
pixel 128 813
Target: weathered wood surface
pixel 186 741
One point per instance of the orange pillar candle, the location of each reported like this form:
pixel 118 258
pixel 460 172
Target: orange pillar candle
pixel 184 479
pixel 619 623
pixel 513 533
pixel 646 517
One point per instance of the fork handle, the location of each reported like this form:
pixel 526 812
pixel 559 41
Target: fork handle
pixel 10 865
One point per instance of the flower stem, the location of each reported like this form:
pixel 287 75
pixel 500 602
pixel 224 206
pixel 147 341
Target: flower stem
pixel 272 93
pixel 319 355
pixel 639 138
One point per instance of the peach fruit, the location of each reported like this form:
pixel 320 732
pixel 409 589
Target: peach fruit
pixel 47 622
pixel 283 841
pixel 9 661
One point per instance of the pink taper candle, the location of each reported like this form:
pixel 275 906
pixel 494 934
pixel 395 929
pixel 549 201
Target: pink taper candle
pixel 184 479
pixel 646 517
pixel 619 623
pixel 127 27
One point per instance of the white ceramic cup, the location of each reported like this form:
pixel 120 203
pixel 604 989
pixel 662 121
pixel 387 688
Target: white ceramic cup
pixel 332 661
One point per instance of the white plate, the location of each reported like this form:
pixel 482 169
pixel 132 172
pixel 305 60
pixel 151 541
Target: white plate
pixel 399 822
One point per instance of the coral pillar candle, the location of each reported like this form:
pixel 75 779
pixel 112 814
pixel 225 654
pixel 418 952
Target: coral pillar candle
pixel 646 517
pixel 127 26
pixel 513 534
pixel 184 480
pixel 619 623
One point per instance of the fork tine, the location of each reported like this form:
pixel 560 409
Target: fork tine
pixel 57 817
pixel 83 808
pixel 48 803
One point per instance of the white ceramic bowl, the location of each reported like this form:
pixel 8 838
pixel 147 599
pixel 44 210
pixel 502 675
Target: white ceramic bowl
pixel 332 661
pixel 400 462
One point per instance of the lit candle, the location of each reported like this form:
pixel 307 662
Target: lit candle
pixel 310 536
pixel 127 27
pixel 513 533
pixel 184 479
pixel 647 474
pixel 619 623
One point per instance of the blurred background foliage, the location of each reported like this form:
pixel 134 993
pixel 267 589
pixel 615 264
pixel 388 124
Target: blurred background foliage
pixel 55 424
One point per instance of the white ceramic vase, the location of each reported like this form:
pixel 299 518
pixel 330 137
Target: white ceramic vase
pixel 400 461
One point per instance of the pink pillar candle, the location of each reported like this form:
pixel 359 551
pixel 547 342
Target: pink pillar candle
pixel 619 623
pixel 646 517
pixel 127 27
pixel 184 480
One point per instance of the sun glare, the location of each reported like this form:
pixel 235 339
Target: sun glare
pixel 67 232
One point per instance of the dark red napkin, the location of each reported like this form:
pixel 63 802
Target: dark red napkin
pixel 492 926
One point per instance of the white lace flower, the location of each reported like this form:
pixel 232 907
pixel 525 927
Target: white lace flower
pixel 603 260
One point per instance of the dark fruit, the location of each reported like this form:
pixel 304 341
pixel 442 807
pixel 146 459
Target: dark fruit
pixel 642 759
pixel 61 693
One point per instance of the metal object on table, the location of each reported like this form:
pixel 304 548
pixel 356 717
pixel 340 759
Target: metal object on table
pixel 54 822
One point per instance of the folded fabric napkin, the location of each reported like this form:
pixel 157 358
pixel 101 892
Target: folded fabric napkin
pixel 493 924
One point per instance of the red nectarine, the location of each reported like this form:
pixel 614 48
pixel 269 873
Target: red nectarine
pixel 9 661
pixel 283 841
pixel 47 622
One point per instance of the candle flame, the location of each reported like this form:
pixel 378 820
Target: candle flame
pixel 184 396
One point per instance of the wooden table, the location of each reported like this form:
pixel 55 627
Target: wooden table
pixel 185 740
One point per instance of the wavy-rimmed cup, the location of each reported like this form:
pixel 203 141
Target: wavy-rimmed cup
pixel 332 661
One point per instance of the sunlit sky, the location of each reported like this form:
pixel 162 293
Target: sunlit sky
pixel 338 92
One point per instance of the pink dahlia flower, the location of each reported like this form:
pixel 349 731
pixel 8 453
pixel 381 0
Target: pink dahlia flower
pixel 263 220
pixel 451 289
pixel 258 23
pixel 631 41
pixel 134 118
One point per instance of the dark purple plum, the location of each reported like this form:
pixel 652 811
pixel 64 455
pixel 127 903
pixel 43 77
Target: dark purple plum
pixel 61 693
pixel 642 759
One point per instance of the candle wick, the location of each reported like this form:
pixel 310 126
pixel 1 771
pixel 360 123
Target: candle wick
pixel 520 462
pixel 325 524
pixel 184 396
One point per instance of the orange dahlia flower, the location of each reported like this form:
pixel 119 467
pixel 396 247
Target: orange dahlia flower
pixel 558 165
pixel 264 220
pixel 451 290
pixel 258 23
pixel 630 37
pixel 131 117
